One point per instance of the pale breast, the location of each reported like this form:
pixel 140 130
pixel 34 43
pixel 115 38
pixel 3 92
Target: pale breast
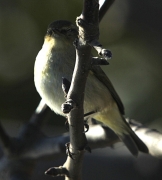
pixel 48 73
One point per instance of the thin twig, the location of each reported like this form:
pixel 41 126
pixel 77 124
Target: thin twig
pixel 104 8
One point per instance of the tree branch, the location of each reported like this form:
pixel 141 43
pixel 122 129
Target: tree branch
pixel 104 137
pixel 17 149
pixel 39 115
pixel 78 142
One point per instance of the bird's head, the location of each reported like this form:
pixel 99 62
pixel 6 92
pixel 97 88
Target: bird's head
pixel 62 30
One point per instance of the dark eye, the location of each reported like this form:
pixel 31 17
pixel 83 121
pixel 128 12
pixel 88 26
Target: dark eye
pixel 63 31
pixel 66 31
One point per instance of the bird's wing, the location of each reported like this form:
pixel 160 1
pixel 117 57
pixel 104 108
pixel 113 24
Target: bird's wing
pixel 101 76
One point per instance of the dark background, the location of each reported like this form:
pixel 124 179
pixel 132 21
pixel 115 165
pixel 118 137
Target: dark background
pixel 132 30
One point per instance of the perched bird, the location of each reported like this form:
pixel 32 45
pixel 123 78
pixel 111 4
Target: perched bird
pixel 56 59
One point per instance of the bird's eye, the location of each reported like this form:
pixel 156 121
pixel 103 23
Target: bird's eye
pixel 63 31
pixel 68 32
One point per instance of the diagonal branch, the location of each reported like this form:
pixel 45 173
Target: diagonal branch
pixel 104 8
pixel 39 115
pixel 104 137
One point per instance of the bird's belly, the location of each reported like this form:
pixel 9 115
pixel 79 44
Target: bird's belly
pixel 48 81
pixel 49 85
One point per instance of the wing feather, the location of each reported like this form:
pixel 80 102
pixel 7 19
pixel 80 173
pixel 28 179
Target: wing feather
pixel 101 76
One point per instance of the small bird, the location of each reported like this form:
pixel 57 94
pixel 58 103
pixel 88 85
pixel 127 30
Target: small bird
pixel 56 59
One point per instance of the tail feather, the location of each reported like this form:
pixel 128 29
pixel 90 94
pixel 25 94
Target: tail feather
pixel 114 120
pixel 140 144
pixel 134 143
pixel 130 144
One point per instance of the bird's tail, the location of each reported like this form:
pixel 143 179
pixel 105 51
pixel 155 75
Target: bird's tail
pixel 133 143
pixel 115 121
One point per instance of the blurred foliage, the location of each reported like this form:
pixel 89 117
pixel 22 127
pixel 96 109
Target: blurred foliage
pixel 131 29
